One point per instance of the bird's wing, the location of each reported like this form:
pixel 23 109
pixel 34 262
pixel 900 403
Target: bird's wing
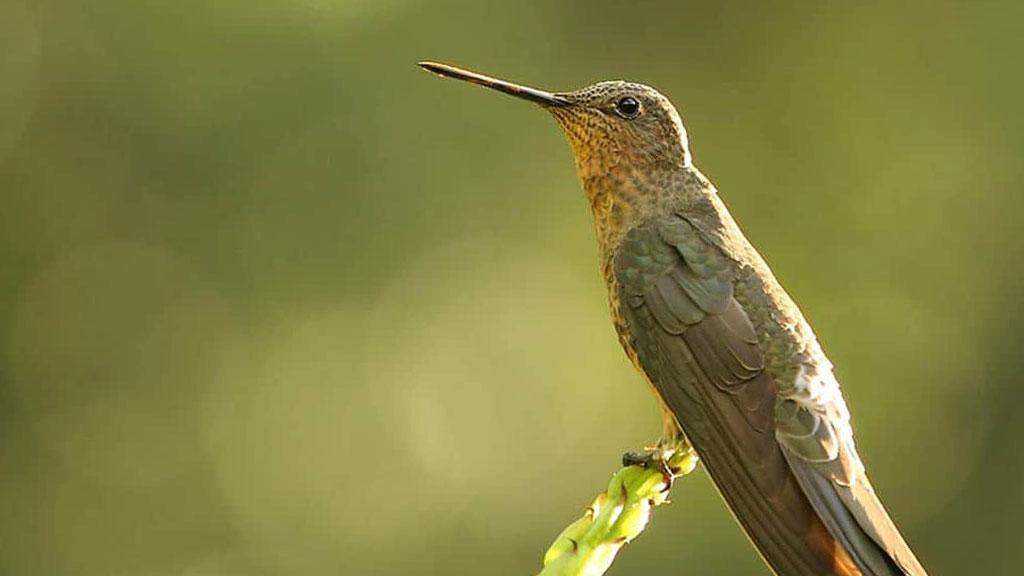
pixel 813 427
pixel 697 346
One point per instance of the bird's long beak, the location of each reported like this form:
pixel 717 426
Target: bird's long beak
pixel 532 94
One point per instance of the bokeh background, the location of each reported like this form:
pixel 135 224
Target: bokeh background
pixel 274 301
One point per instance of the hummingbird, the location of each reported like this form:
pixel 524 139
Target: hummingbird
pixel 735 366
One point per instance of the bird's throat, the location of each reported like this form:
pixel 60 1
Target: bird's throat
pixel 620 199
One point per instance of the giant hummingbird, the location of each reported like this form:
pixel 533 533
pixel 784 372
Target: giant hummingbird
pixel 733 362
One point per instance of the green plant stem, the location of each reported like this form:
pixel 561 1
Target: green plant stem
pixel 588 546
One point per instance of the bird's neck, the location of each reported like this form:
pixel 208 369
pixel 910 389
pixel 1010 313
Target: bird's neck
pixel 622 197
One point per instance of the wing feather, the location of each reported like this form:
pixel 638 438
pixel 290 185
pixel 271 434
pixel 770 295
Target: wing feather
pixel 700 350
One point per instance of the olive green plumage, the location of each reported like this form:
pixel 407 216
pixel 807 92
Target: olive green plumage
pixel 732 360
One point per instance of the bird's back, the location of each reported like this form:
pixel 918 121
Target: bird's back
pixel 733 360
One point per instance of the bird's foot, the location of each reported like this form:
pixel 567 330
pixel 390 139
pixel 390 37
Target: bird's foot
pixel 673 456
pixel 648 458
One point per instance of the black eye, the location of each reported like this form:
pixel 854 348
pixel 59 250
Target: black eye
pixel 628 107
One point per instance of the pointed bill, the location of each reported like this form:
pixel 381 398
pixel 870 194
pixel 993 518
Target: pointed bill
pixel 532 94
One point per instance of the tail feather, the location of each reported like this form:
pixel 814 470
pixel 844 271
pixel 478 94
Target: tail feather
pixel 862 502
pixel 856 518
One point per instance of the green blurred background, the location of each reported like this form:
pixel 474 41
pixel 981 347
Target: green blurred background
pixel 273 301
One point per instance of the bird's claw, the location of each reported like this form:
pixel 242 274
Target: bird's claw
pixel 651 458
pixel 672 456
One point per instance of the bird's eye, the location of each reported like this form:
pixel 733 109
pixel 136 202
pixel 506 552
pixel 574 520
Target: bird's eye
pixel 627 107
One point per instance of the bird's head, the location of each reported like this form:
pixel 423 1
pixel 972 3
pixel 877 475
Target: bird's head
pixel 614 128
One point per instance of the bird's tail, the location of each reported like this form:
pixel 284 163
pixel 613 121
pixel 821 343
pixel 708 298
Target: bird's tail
pixel 857 520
